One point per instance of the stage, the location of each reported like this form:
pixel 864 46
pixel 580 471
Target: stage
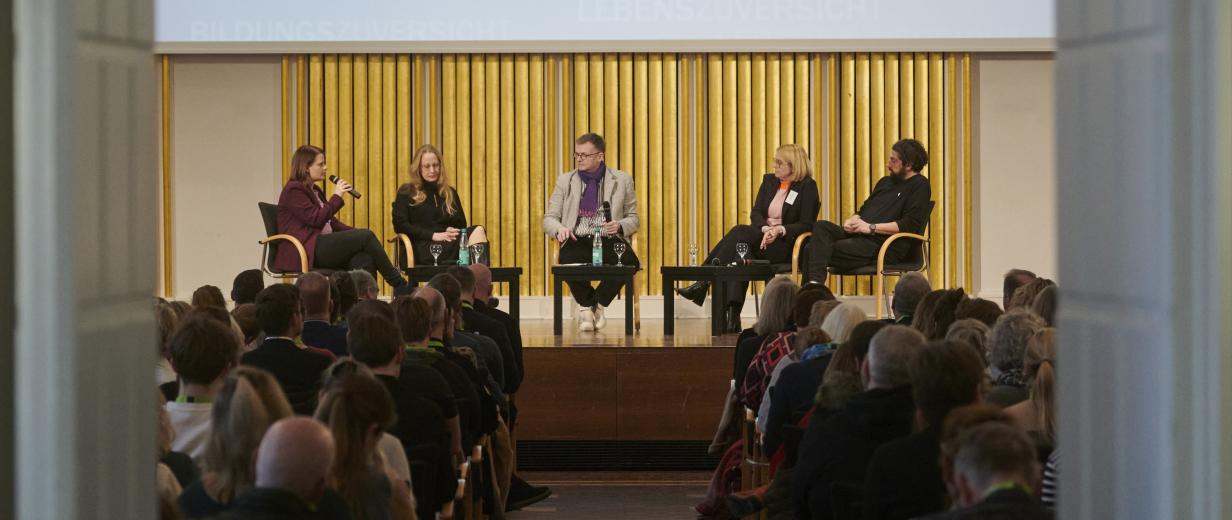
pixel 609 401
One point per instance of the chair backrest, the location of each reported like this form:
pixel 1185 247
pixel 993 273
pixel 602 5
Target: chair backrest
pixel 915 254
pixel 269 215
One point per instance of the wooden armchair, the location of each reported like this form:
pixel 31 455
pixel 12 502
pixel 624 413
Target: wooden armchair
pixel 271 242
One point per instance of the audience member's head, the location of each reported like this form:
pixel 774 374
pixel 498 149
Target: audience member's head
pixel 347 295
pixel 208 296
pixel 944 376
pixel 245 315
pixel 365 285
pixel 851 353
pixel 842 320
pixel 419 316
pixel 314 293
pixel 246 285
pixel 1045 305
pixel 889 357
pixel 820 311
pixel 910 289
pixel 249 402
pixel 957 422
pixel 1014 279
pixel 1024 296
pixel 972 332
pixel 278 311
pixel 375 341
pixel 803 306
pixel 220 315
pixel 181 308
pixel 369 307
pixel 1039 367
pixel 807 338
pixel 202 351
pixel 986 311
pixel 465 278
pixel 483 281
pixel 295 455
pixel 1007 341
pixel 990 454
pixel 776 311
pixel 167 318
pixel 451 291
pixel 357 409
pixel 935 319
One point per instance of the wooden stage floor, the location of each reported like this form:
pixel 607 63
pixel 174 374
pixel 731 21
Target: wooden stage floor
pixel 690 332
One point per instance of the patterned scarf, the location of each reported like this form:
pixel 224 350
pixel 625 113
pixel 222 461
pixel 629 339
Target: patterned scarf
pixel 1012 377
pixel 589 205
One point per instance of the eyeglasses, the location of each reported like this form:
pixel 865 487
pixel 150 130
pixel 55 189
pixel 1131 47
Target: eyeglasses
pixel 585 155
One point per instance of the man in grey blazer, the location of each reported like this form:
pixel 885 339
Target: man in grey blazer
pixel 574 213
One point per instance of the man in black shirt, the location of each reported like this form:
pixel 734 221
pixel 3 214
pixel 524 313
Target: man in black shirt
pixel 297 369
pixel 898 203
pixel 314 290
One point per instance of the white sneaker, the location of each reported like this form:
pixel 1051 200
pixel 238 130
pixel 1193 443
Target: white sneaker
pixel 586 319
pixel 600 321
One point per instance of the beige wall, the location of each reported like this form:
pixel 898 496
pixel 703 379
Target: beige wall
pixel 225 140
pixel 1015 164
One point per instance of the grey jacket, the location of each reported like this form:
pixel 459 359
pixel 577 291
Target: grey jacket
pixel 617 188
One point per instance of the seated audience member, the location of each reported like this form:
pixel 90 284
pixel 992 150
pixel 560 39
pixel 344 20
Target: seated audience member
pixel 803 306
pixel 904 476
pixel 297 369
pixel 842 320
pixel 960 420
pixel 245 315
pixel 842 377
pixel 347 295
pixel 358 410
pixel 168 490
pixel 292 468
pixel 1007 342
pixel 365 285
pixel 1048 488
pixel 792 390
pixel 775 317
pixel 1037 415
pixel 995 474
pixel 974 333
pixel 821 310
pixel 986 311
pixel 181 308
pixel 208 296
pixel 490 359
pixel 934 320
pixel 837 449
pixel 483 303
pixel 388 447
pixel 1014 279
pixel 246 285
pixel 318 331
pixel 248 403
pixel 1045 305
pixel 910 289
pixel 202 353
pixel 167 319
pixel 179 464
pixel 476 323
pixel 1025 296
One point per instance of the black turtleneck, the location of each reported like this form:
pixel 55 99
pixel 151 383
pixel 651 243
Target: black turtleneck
pixel 420 221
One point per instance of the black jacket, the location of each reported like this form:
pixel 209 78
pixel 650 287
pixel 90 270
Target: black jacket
pixel 514 333
pixel 298 371
pixel 799 216
pixel 481 324
pixel 904 478
pixel 278 504
pixel 322 334
pixel 1012 504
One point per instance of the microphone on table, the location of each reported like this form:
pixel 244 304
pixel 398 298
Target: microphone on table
pixel 334 179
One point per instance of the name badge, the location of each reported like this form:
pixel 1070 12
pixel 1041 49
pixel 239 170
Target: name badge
pixel 791 197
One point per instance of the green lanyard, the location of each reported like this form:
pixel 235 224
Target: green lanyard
pixel 193 399
pixel 436 343
pixel 1006 486
pixel 468 306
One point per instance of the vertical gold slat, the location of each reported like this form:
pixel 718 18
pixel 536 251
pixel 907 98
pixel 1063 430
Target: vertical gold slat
pixel 761 155
pixel 863 175
pixel 406 134
pixel 420 127
pixel 877 144
pixel 686 144
pixel 802 100
pixel 700 179
pixel 967 175
pixel 714 129
pixel 596 87
pixel 498 246
pixel 478 124
pixel 847 137
pixel 164 78
pixel 376 141
pixel 331 106
pixel 787 98
pixel 745 174
pixel 552 97
pixel 730 218
pixel 921 99
pixel 301 100
pixel 359 82
pixel 641 158
pixel 671 197
pixel 344 161
pixel 940 173
pixel 287 109
pixel 569 131
pixel 581 94
pixel 449 116
pixel 316 101
pixel 435 117
pixel 951 172
pixel 536 175
pixel 906 96
pixel 611 113
pixel 625 134
pixel 816 149
pixel 891 102
pixel 503 160
pixel 773 107
pixel 655 195
pixel 462 117
pixel 380 205
pixel 833 116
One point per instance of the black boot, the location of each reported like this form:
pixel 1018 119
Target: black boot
pixel 733 319
pixel 695 293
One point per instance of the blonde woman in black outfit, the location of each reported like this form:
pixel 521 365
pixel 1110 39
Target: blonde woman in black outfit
pixel 428 210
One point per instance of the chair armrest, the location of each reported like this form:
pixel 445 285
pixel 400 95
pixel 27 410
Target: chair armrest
pixel 303 255
pixel 886 247
pixel 406 246
pixel 795 253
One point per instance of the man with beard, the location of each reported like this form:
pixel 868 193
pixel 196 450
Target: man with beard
pixel 897 204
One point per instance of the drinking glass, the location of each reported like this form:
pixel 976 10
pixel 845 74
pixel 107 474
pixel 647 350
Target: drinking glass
pixel 742 249
pixel 477 251
pixel 693 254
pixel 435 249
pixel 619 249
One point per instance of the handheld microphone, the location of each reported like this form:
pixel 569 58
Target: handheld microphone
pixel 607 211
pixel 334 179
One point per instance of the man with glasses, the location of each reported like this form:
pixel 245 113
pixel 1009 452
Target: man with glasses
pixel 574 212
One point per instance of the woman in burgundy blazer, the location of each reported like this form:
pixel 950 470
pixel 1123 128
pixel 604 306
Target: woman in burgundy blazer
pixel 305 213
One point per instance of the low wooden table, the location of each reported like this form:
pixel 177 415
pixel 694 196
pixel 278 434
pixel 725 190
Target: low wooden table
pixel 509 275
pixel 592 273
pixel 717 275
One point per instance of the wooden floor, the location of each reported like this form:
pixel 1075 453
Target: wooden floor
pixel 692 332
pixel 616 495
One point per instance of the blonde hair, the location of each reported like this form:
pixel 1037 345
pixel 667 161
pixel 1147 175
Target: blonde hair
pixel 248 403
pixel 353 404
pixel 414 188
pixel 840 321
pixel 798 158
pixel 777 305
pixel 166 433
pixel 1039 367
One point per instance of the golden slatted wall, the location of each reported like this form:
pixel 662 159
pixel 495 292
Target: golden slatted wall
pixel 695 130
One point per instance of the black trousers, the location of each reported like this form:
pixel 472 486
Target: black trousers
pixel 830 246
pixel 724 253
pixel 449 250
pixel 579 251
pixel 355 249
